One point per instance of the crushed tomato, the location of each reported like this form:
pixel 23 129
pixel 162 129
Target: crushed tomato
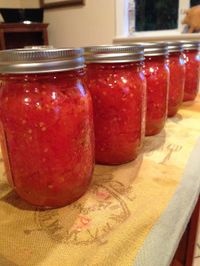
pixel 192 62
pixel 176 82
pixel 47 136
pixel 157 75
pixel 118 92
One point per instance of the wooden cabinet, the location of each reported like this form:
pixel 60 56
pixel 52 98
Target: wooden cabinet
pixel 185 252
pixel 18 35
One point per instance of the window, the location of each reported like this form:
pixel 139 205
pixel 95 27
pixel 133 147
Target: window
pixel 194 2
pixel 135 18
pixel 156 15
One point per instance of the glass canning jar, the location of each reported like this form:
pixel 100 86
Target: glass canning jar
pixel 192 63
pixel 117 84
pixel 46 124
pixel 157 76
pixel 177 77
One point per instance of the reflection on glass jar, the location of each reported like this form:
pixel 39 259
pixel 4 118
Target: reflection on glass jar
pixel 157 75
pixel 177 77
pixel 47 127
pixel 192 75
pixel 117 84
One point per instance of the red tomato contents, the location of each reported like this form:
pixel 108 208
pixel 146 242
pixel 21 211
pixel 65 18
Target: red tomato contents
pixel 48 131
pixel 118 92
pixel 157 76
pixel 176 82
pixel 192 63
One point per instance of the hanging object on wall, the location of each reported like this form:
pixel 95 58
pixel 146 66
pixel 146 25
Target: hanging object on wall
pixel 57 3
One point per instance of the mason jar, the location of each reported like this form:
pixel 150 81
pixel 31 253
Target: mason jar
pixel 156 71
pixel 46 124
pixel 116 81
pixel 192 63
pixel 177 77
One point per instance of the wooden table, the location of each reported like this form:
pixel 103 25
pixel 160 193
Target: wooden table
pixel 18 35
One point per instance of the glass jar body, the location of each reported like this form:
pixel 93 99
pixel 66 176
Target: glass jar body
pixel 47 136
pixel 176 82
pixel 157 76
pixel 192 74
pixel 118 93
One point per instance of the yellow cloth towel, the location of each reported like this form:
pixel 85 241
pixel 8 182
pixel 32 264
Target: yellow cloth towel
pixel 109 224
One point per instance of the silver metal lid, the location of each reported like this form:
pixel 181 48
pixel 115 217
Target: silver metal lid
pixel 175 47
pixel 24 61
pixel 190 45
pixel 38 47
pixel 114 53
pixel 155 48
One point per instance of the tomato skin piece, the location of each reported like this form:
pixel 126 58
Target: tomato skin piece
pixel 157 75
pixel 176 82
pixel 192 75
pixel 119 96
pixel 47 121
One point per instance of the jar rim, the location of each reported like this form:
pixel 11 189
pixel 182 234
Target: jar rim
pixel 190 45
pixel 175 46
pixel 113 53
pixel 22 61
pixel 155 48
